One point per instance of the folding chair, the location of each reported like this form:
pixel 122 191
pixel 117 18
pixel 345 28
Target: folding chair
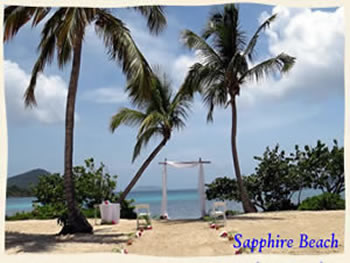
pixel 142 213
pixel 217 212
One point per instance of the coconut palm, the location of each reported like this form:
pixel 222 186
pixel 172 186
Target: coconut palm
pixel 63 32
pixel 225 58
pixel 158 116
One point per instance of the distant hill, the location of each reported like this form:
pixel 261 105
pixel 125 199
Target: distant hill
pixel 19 185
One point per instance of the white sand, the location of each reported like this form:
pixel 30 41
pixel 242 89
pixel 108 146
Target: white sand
pixel 180 237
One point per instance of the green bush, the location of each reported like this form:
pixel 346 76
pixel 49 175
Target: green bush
pixel 92 184
pixel 326 201
pixel 90 212
pixel 232 212
pixel 279 177
pixel 20 216
pixel 126 208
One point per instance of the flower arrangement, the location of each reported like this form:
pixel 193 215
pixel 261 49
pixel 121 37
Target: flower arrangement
pixel 223 234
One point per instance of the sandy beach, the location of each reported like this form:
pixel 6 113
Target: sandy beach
pixel 179 237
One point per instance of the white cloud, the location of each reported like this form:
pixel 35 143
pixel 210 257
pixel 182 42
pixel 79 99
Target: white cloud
pixel 180 67
pixel 51 92
pixel 316 39
pixel 106 95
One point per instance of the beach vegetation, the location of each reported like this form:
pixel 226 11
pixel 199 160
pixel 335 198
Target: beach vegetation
pixel 321 167
pixel 325 201
pixel 280 176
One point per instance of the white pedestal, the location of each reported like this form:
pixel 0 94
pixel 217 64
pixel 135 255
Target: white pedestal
pixel 110 212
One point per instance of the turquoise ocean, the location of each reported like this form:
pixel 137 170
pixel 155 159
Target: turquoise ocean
pixel 181 203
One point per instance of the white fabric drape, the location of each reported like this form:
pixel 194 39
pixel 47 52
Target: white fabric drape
pixel 201 188
pixel 181 165
pixel 164 211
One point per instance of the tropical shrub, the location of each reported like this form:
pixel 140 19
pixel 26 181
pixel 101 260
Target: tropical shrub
pixel 326 201
pixel 222 188
pixel 279 176
pixel 93 185
pixel 322 167
pixel 270 188
pixel 20 216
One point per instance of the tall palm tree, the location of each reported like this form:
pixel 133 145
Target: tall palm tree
pixel 158 116
pixel 224 67
pixel 63 33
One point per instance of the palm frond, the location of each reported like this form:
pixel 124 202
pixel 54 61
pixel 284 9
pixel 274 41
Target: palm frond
pixel 200 76
pixel 143 139
pixel 224 33
pixel 15 17
pixel 208 54
pixel 179 109
pixel 215 95
pixel 156 20
pixel 249 51
pixel 127 117
pixel 47 49
pixel 211 26
pixel 229 39
pixel 39 15
pixel 238 65
pixel 281 63
pixel 122 48
pixel 153 119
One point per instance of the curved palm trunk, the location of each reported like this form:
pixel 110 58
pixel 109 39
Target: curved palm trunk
pixel 76 223
pixel 248 207
pixel 143 167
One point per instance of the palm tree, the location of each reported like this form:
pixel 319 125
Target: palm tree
pixel 224 67
pixel 158 116
pixel 63 33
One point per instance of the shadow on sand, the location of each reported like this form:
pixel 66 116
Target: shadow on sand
pixel 240 217
pixel 47 242
pixel 255 218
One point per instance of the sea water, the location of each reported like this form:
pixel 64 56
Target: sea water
pixel 18 204
pixel 181 203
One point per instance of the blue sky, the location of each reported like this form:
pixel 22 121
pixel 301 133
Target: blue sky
pixel 305 105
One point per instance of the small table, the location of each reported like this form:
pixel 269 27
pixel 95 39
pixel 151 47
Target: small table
pixel 110 213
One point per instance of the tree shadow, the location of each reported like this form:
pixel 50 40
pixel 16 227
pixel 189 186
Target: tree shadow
pixel 254 218
pixel 181 221
pixel 46 242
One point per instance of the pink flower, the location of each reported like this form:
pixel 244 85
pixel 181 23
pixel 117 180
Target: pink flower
pixel 223 234
pixel 106 202
pixel 126 251
pixel 113 222
pixel 212 226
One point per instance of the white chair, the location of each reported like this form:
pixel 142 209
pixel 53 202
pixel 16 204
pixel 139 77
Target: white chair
pixel 219 211
pixel 142 213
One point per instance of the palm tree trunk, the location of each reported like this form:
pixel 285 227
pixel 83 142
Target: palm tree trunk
pixel 76 222
pixel 248 207
pixel 143 167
